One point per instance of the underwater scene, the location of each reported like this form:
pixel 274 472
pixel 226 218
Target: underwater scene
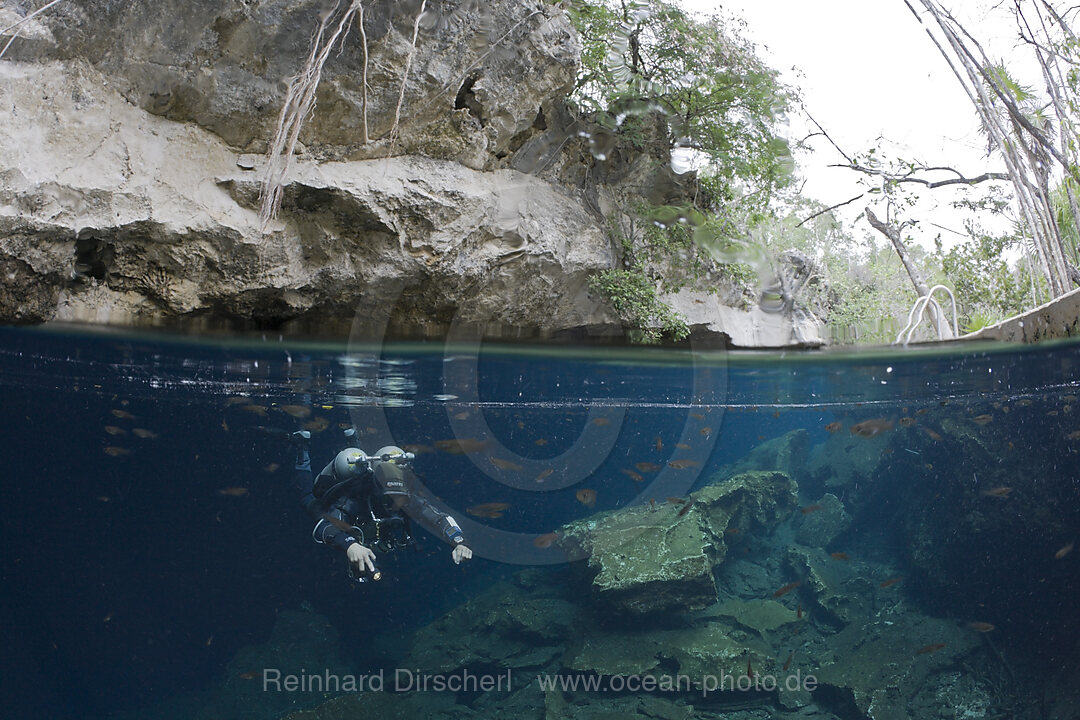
pixel 653 533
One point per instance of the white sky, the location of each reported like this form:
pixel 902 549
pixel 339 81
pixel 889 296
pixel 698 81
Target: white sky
pixel 867 69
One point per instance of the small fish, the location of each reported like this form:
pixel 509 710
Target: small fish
pixel 787 588
pixel 601 421
pixel 1001 492
pixel 907 421
pixel 316 425
pixel 297 411
pixel 749 670
pixel 144 433
pixel 922 411
pixel 659 444
pixel 933 647
pixel 113 430
pixel 271 467
pixel 259 410
pixel 488 510
pixel 463 415
pixel 104 498
pixel 237 401
pixel 543 474
pixel 460 446
pixel 682 446
pixel 684 509
pixel 647 467
pixel 697 416
pixel 107 618
pixel 521 424
pixel 676 500
pixel 224 426
pixel 418 448
pixel 706 431
pixel 327 407
pixel 787 663
pixel 811 509
pixel 798 612
pixel 586 497
pixel 1074 435
pixel 540 442
pixel 683 464
pixel 983 627
pixel 834 427
pixel 116 451
pixel 632 475
pixel 840 556
pixel 250 675
pixel 731 531
pixel 122 414
pixel 546 540
pixel 890 582
pixel 932 435
pixel 233 491
pixel 1060 554
pixel 209 641
pixel 871 428
pixel 982 419
pixel 505 464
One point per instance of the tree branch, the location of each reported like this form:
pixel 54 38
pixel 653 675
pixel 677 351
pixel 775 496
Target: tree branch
pixel 838 205
pixel 909 177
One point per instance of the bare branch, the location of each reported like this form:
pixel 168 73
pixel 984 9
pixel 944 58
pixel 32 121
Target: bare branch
pixel 829 138
pixel 16 24
pixel 833 207
pixel 909 177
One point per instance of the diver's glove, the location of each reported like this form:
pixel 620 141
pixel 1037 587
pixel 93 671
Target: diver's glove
pixel 461 552
pixel 362 557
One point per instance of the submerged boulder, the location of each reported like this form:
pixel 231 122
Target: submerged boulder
pixel 649 559
pixel 825 522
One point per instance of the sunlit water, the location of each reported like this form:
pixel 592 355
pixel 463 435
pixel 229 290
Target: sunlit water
pixel 152 530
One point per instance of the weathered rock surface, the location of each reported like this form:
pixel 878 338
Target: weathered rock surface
pixel 824 523
pixel 650 559
pixel 153 219
pixel 131 145
pixel 481 74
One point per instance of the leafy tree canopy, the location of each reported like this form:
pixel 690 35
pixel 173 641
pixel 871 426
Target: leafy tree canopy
pixel 719 98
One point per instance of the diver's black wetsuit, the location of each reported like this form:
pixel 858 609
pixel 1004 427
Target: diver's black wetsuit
pixel 360 502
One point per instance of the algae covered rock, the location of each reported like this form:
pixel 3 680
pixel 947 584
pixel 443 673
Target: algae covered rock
pixel 504 627
pixel 757 615
pixel 788 453
pixel 827 521
pixel 650 559
pixel 881 667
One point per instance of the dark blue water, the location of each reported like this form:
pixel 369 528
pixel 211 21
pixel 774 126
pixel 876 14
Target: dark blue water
pixel 151 529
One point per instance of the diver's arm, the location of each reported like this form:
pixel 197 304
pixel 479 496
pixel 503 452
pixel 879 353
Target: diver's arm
pixel 440 524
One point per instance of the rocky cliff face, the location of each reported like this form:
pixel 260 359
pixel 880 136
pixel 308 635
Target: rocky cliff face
pixel 133 136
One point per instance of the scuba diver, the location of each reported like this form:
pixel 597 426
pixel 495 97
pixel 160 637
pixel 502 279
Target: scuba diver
pixel 364 503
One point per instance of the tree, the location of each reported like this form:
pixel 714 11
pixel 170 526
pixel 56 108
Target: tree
pixel 1034 138
pixel 717 97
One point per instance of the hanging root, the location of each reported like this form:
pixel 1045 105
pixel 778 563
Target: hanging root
pixel 299 105
pixel 405 73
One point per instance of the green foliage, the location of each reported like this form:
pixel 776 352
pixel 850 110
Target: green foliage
pixel 633 297
pixel 987 289
pixel 646 56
